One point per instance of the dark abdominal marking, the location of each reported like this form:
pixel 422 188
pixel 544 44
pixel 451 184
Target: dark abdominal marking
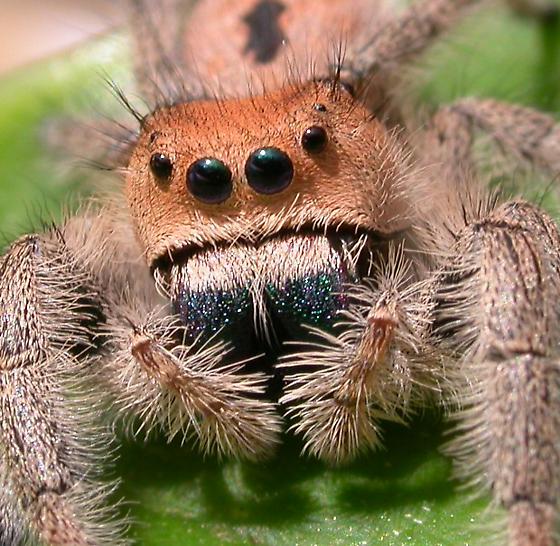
pixel 265 35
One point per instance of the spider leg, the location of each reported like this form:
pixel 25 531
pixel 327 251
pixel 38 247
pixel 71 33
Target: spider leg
pixel 530 136
pixel 48 431
pixel 344 383
pixel 12 526
pixel 541 9
pixel 497 308
pixel 157 29
pixel 411 32
pixel 104 143
pixel 403 38
pixel 159 379
pixel 153 377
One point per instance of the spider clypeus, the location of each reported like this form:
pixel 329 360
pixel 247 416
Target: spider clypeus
pixel 300 256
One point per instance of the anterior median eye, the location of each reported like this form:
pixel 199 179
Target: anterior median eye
pixel 269 170
pixel 314 139
pixel 209 180
pixel 161 166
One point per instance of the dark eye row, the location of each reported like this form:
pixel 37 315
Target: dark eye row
pixel 268 170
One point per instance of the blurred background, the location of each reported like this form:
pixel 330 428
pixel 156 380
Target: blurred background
pixel 32 29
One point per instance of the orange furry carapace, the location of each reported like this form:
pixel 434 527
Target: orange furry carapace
pixel 356 181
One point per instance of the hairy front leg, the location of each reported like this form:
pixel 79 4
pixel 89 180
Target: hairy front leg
pixel 498 301
pixel 158 379
pixel 343 383
pixel 154 373
pixel 48 434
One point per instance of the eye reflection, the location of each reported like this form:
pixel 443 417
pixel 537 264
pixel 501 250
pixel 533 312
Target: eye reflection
pixel 314 139
pixel 161 166
pixel 209 180
pixel 269 170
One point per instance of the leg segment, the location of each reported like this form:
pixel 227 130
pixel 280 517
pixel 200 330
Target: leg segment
pixel 13 529
pixel 188 390
pixel 499 302
pixel 157 34
pixel 408 35
pixel 350 381
pixel 153 376
pixel 526 134
pixel 50 488
pixel 541 9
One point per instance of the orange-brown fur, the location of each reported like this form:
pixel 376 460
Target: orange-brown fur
pixel 350 183
pixel 310 29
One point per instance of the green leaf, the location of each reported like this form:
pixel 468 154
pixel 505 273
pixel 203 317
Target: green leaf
pixel 401 495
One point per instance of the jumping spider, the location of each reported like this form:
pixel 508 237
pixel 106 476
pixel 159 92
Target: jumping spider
pixel 299 255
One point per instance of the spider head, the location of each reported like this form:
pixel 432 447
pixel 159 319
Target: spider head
pixel 243 205
pixel 305 157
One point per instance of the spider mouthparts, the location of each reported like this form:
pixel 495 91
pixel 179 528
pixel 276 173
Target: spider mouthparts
pixel 259 296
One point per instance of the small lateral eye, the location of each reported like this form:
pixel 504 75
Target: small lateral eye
pixel 161 166
pixel 209 180
pixel 314 139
